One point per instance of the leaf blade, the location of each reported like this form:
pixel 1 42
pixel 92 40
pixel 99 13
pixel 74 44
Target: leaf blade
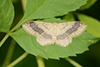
pixel 88 4
pixel 39 9
pixel 51 8
pixel 6 15
pixel 79 45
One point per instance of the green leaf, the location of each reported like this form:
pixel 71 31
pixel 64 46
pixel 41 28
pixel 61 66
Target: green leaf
pixel 69 17
pixel 52 20
pixel 29 44
pixel 93 25
pixel 38 9
pixel 88 4
pixel 49 8
pixel 6 15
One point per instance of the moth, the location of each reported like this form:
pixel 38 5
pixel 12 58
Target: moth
pixel 50 33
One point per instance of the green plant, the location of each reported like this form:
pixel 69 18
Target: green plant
pixel 49 11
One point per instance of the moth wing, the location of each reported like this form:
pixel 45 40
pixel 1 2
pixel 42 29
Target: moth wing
pixel 63 39
pixel 40 30
pixel 73 29
pixel 66 31
pixel 45 39
pixel 35 28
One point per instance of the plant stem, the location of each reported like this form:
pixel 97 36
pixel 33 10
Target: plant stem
pixel 40 61
pixel 17 60
pixel 74 63
pixel 24 2
pixel 9 53
pixel 4 39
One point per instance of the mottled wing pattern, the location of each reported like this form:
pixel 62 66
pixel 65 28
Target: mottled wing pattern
pixel 66 31
pixel 50 33
pixel 40 30
pixel 74 29
pixel 33 28
pixel 62 38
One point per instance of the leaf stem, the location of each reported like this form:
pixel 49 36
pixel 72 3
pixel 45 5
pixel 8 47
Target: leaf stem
pixel 74 63
pixel 40 61
pixel 17 60
pixel 24 2
pixel 4 39
pixel 9 53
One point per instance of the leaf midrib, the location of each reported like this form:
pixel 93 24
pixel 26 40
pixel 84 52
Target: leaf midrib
pixel 36 8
